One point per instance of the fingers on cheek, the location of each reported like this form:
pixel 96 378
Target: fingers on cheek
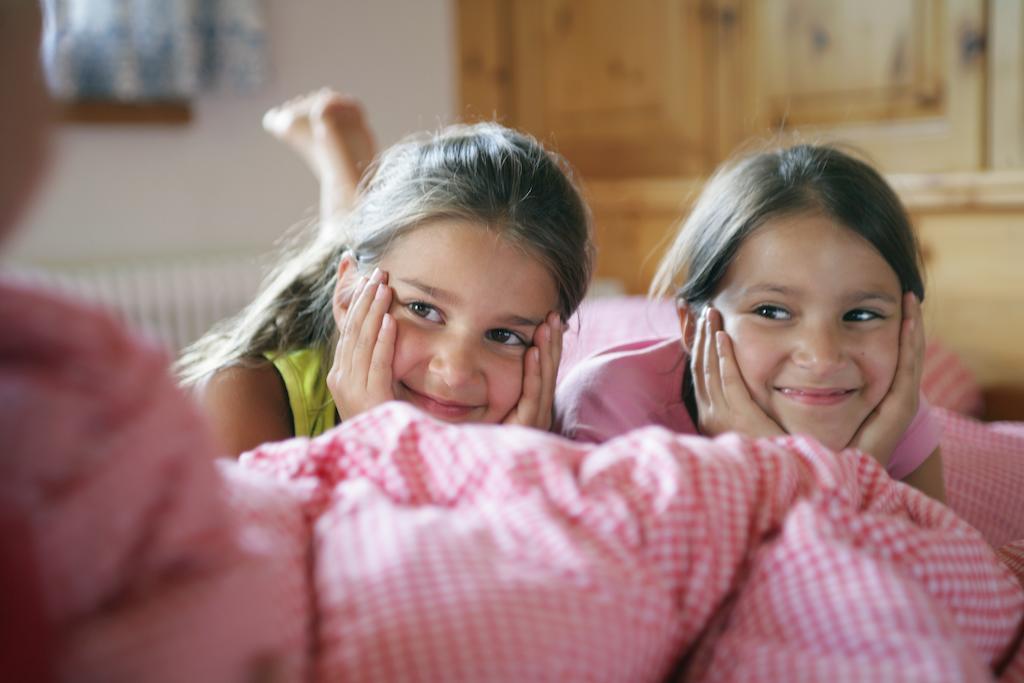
pixel 724 358
pixel 713 320
pixel 711 358
pixel 711 334
pixel 387 329
pixel 358 302
pixel 541 337
pixel 531 377
pixel 700 342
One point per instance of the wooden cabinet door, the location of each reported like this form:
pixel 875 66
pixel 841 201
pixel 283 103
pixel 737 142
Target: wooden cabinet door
pixel 1006 84
pixel 903 81
pixel 617 87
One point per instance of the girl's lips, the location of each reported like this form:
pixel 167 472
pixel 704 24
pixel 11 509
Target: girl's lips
pixel 445 410
pixel 816 397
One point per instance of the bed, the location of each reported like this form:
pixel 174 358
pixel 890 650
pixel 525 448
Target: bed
pixel 396 547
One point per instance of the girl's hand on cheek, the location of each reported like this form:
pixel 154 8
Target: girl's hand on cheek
pixel 361 376
pixel 885 426
pixel 540 370
pixel 724 403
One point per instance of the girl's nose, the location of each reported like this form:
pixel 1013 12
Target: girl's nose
pixel 820 350
pixel 454 362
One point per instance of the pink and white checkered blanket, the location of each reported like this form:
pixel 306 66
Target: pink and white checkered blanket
pixel 485 553
pixel 399 548
pixel 106 467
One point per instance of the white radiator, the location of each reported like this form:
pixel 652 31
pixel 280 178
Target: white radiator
pixel 174 301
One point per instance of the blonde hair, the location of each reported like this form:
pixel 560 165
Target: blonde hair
pixel 747 193
pixel 484 173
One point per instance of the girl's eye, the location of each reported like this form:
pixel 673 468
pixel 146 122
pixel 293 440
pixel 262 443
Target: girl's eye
pixel 860 315
pixel 425 311
pixel 506 337
pixel 772 312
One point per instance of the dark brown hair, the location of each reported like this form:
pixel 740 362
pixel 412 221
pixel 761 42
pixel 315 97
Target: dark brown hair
pixel 744 195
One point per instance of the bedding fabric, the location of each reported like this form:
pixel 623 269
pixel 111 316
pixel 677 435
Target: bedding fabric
pixel 486 553
pixel 395 547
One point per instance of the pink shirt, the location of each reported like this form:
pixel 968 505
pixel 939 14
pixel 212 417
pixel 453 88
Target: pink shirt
pixel 639 383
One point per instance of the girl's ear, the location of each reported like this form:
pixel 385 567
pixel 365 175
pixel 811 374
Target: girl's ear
pixel 344 287
pixel 687 324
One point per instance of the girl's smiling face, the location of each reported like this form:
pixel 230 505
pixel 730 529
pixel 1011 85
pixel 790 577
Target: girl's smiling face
pixel 814 313
pixel 466 303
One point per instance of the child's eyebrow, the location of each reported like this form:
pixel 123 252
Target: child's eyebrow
pixel 514 320
pixel 857 297
pixel 442 295
pixel 866 295
pixel 768 287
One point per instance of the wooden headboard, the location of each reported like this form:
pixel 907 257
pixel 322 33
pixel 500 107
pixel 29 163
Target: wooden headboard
pixel 971 228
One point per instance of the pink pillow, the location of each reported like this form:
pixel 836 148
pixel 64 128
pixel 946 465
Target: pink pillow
pixel 983 463
pixel 947 382
pixel 600 323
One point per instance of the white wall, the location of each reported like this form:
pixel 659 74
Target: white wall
pixel 220 183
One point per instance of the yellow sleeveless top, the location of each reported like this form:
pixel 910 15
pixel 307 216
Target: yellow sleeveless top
pixel 312 407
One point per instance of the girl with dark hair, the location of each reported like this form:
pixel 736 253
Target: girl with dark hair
pixel 798 285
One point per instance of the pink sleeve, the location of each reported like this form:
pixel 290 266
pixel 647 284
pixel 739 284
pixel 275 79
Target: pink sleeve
pixel 920 440
pixel 583 411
